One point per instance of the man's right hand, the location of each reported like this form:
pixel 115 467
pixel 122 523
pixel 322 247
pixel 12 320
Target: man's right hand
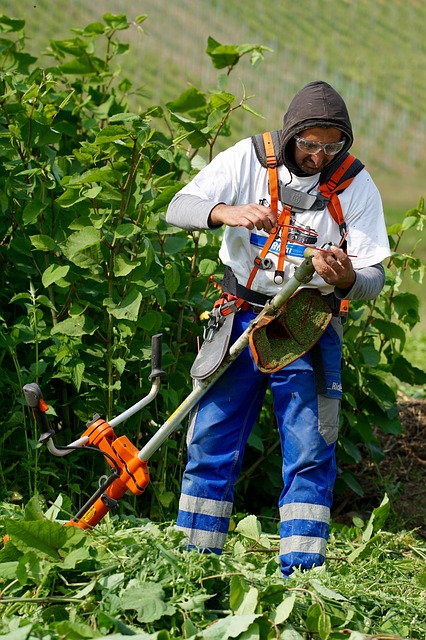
pixel 244 215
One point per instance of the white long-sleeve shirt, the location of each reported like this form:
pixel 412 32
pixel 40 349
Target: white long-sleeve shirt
pixel 235 176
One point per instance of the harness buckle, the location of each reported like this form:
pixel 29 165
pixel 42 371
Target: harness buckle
pixel 213 325
pixel 263 263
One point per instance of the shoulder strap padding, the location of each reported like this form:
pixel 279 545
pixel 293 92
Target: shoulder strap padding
pixel 259 147
pixel 346 170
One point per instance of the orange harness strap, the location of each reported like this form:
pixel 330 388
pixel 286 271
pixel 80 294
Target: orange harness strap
pixel 283 219
pixel 271 162
pixel 330 189
pixel 229 303
pixel 333 186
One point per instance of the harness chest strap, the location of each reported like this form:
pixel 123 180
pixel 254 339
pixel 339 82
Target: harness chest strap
pixel 333 187
pixel 329 189
pixel 211 353
pixel 283 219
pixel 227 305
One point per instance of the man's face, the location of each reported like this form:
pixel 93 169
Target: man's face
pixel 312 163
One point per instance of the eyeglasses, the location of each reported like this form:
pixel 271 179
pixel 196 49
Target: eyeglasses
pixel 311 147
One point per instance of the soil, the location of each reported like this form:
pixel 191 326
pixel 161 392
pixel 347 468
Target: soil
pixel 401 474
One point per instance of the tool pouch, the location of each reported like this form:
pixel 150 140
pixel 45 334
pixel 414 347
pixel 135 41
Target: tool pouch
pixel 215 345
pixel 278 340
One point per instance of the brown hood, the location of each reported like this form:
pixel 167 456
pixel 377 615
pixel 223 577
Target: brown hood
pixel 316 104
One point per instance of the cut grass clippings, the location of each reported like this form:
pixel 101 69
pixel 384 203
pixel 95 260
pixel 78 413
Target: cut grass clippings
pixel 135 577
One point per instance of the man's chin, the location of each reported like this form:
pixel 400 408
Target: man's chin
pixel 311 171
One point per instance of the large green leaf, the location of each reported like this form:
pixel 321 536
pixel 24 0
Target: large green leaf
pixel 208 267
pixel 76 327
pixel 171 278
pixel 389 329
pixel 187 101
pixel 406 306
pixel 118 21
pixel 222 55
pixel 370 355
pixel 147 598
pixel 350 480
pixel 112 133
pixel 32 211
pixel 43 242
pixel 70 197
pixel 53 274
pixel 229 627
pixel 175 244
pixel 249 527
pixel 194 130
pixel 351 449
pixel 123 265
pixel 128 308
pixel 22 633
pixel 8 570
pixel 82 66
pixel 81 240
pixel 376 387
pixel 284 609
pixel 324 626
pixel 406 372
pixel 9 24
pixel 221 101
pixel 104 174
pixel 127 230
pixel 377 519
pixel 45 538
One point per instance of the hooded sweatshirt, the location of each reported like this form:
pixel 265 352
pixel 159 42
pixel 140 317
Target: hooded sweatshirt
pixel 236 176
pixel 317 104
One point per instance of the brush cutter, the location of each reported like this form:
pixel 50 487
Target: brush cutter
pixel 130 465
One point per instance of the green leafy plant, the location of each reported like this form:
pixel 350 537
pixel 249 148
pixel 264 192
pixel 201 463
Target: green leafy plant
pixel 374 342
pixel 90 270
pixel 133 577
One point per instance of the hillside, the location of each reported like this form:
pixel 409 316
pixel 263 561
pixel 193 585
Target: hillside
pixel 370 51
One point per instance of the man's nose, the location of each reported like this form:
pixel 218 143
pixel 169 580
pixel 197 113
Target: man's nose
pixel 318 156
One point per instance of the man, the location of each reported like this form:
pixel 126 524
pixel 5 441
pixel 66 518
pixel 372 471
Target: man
pixel 233 190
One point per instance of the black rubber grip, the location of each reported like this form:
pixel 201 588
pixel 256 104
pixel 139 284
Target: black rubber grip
pixel 156 355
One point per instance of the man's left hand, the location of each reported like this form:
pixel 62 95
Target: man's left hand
pixel 334 267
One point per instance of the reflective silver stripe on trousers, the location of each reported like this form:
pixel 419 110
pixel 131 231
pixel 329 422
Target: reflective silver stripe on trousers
pixel 205 506
pixel 303 511
pixel 303 544
pixel 204 539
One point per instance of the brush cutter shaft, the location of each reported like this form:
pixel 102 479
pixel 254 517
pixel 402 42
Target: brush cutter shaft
pixel 302 275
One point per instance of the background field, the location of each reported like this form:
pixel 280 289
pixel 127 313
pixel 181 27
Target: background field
pixel 371 51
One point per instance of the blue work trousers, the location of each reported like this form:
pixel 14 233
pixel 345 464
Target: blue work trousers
pixel 308 426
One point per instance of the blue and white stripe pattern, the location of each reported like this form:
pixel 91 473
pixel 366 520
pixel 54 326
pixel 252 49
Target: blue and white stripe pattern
pixel 204 521
pixel 304 531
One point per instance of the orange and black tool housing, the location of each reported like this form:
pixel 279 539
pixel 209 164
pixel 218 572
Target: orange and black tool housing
pixel 130 473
